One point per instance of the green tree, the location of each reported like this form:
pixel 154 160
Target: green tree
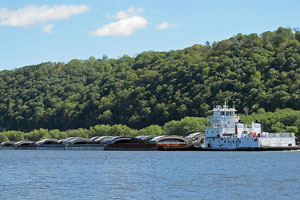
pixel 3 138
pixel 151 130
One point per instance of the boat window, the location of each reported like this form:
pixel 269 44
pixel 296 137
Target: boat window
pixel 222 113
pixel 224 141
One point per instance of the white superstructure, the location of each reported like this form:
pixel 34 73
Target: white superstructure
pixel 225 131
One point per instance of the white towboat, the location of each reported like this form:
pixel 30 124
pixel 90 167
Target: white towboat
pixel 226 132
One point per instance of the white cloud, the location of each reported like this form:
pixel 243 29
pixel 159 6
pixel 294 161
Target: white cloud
pixel 31 15
pixel 122 27
pixel 165 25
pixel 131 11
pixel 129 22
pixel 48 28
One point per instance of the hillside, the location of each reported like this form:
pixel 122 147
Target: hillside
pixel 256 72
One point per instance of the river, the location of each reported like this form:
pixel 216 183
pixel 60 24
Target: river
pixel 148 175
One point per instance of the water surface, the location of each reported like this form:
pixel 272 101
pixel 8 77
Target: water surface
pixel 149 175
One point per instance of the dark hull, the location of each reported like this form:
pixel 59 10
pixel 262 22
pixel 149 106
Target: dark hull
pixel 191 148
pixel 27 147
pixel 131 147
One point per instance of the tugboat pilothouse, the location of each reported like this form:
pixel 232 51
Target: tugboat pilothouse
pixel 226 132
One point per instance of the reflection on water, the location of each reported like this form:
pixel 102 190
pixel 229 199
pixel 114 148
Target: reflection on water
pixel 149 175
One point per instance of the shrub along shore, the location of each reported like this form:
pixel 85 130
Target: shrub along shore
pixel 285 120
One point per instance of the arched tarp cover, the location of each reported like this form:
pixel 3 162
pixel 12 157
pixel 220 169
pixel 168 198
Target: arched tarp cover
pixel 24 143
pixel 169 139
pixel 47 141
pixel 195 135
pixel 108 140
pixel 94 138
pixel 196 138
pixel 79 141
pixel 101 138
pixel 145 137
pixel 66 140
pixel 5 144
pixel 121 139
pixel 127 140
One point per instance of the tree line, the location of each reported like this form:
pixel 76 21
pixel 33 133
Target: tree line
pixel 182 127
pixel 282 120
pixel 252 71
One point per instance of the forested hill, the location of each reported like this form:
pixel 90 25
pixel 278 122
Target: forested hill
pixel 253 71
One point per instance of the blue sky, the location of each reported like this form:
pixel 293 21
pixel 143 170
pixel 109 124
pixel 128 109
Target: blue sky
pixel 36 31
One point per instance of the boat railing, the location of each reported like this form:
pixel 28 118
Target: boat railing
pixel 279 135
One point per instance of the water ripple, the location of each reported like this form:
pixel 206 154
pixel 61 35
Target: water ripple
pixel 148 175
